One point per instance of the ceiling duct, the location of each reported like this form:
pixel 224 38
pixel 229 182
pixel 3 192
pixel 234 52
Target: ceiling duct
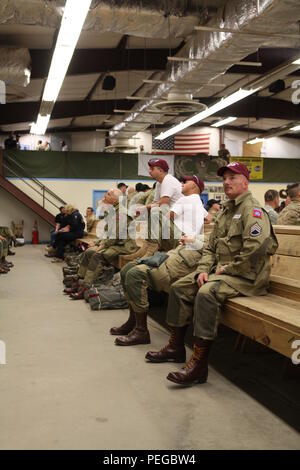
pixel 181 103
pixel 15 66
pixel 31 12
pixel 218 51
pixel 121 146
pixel 142 18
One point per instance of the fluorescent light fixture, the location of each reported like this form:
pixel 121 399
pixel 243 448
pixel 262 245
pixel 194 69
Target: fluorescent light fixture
pixel 39 127
pixel 223 122
pixel 296 62
pixel 295 129
pixel 71 25
pixel 223 103
pixel 256 140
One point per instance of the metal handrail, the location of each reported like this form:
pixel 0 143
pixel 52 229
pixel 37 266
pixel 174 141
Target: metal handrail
pixel 32 178
pixel 34 189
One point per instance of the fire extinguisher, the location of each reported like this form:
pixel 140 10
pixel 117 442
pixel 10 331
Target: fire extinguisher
pixel 35 234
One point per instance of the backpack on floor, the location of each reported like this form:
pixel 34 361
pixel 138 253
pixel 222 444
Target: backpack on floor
pixel 109 296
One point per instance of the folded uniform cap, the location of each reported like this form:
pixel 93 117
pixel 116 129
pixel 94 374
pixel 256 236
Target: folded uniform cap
pixel 195 179
pixel 235 167
pixel 159 162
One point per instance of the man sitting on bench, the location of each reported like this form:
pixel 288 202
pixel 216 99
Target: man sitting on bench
pixel 188 215
pixel 117 242
pixel 235 261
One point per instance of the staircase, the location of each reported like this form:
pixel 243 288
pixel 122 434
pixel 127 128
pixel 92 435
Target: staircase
pixel 44 193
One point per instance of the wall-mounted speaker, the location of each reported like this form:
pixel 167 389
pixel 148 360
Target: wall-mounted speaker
pixel 109 83
pixel 277 87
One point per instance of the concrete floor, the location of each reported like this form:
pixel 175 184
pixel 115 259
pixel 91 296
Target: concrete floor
pixel 66 386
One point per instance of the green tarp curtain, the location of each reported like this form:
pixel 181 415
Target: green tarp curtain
pixel 93 165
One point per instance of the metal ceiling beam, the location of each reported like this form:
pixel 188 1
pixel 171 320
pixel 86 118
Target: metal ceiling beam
pixel 27 111
pixel 253 106
pixel 270 58
pixel 86 61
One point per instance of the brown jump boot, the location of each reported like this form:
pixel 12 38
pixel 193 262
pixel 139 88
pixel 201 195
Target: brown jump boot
pixel 196 370
pixel 126 328
pixel 139 335
pixel 79 295
pixel 173 351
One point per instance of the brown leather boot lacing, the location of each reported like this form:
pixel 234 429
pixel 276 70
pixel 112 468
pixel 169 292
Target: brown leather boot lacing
pixel 196 357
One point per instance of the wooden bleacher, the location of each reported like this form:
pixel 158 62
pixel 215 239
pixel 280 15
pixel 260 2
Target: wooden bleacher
pixel 273 320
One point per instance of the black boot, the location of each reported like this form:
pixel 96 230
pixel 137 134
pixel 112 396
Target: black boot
pixel 126 328
pixel 139 335
pixel 196 370
pixel 174 351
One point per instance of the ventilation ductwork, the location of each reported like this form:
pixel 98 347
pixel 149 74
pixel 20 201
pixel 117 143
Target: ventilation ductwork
pixel 181 103
pixel 15 66
pixel 121 146
pixel 218 51
pixel 31 12
pixel 142 18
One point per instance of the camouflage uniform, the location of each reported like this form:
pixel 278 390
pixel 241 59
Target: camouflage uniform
pixel 137 278
pixel 242 241
pixel 291 214
pixel 3 249
pixel 93 261
pixel 150 196
pixel 7 233
pixel 90 223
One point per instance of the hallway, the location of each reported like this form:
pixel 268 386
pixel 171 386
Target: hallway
pixel 67 386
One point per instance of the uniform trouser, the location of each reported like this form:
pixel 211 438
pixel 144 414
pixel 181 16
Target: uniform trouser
pixel 62 239
pixel 186 301
pixel 7 233
pixel 3 248
pixel 137 278
pixel 85 259
pixel 162 230
pixel 100 259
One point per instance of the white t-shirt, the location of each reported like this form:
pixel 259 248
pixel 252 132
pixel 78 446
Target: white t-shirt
pixel 169 187
pixel 189 215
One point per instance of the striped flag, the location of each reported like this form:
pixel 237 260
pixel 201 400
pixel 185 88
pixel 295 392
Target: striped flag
pixel 182 144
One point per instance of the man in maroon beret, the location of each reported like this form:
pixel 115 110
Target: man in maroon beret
pixel 235 261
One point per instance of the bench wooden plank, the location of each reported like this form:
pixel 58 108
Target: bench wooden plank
pixel 284 287
pixel 279 310
pixel 286 266
pixel 288 229
pixel 288 245
pixel 260 330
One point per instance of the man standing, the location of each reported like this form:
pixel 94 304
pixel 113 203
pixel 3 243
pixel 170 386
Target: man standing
pixel 188 216
pixel 272 203
pixel 235 261
pixel 291 214
pixel 224 153
pixel 168 188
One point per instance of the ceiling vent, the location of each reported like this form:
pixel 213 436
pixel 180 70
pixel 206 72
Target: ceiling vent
pixel 180 103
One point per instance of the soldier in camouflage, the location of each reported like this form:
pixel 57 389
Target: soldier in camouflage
pixel 137 278
pixel 115 242
pixel 291 214
pixel 235 261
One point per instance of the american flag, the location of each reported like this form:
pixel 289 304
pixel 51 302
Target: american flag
pixel 182 144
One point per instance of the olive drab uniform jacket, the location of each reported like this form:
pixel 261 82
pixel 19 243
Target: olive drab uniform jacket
pixel 242 241
pixel 117 229
pixel 290 214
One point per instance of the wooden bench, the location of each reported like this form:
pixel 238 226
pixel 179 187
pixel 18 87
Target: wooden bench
pixel 273 320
